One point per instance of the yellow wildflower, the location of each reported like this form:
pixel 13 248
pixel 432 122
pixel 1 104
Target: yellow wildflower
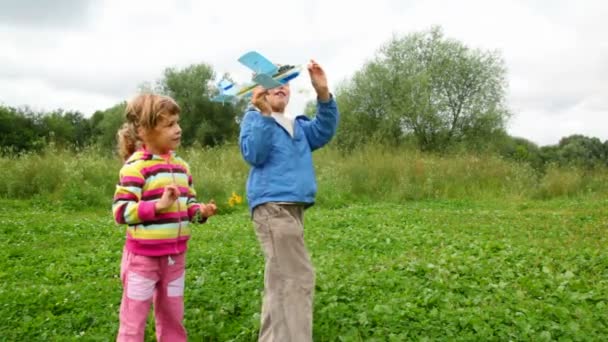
pixel 235 199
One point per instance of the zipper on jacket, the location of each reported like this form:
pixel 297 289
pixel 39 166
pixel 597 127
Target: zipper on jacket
pixel 179 210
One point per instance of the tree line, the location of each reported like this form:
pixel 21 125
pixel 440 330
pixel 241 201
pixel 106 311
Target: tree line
pixel 421 89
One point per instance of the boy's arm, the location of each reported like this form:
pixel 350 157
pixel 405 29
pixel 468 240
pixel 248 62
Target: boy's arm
pixel 127 207
pixel 322 128
pixel 255 137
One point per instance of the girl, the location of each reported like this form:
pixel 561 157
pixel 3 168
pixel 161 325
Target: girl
pixel 156 200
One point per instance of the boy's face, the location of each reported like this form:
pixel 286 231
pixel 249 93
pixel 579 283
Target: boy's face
pixel 166 136
pixel 278 98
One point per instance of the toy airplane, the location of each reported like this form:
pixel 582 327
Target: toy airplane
pixel 266 74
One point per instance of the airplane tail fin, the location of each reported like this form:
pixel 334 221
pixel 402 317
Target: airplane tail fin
pixel 224 85
pixel 226 91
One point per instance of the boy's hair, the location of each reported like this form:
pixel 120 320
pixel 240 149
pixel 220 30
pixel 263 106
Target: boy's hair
pixel 145 111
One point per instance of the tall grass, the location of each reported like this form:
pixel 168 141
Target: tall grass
pixel 73 179
pixel 379 173
pixel 87 178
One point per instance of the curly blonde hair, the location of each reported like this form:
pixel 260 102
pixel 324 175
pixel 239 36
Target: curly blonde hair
pixel 145 111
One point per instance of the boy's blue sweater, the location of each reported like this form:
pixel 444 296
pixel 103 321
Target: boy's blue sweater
pixel 281 165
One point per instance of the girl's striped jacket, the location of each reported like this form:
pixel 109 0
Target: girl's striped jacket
pixel 143 178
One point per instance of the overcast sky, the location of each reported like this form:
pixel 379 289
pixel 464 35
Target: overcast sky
pixel 88 55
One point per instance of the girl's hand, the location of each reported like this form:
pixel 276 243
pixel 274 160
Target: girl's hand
pixel 318 80
pixel 170 195
pixel 208 210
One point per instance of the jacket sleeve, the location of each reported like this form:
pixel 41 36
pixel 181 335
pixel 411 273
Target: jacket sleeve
pixel 322 128
pixel 128 208
pixel 193 205
pixel 255 137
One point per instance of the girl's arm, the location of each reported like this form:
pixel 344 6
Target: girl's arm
pixel 193 206
pixel 197 212
pixel 128 208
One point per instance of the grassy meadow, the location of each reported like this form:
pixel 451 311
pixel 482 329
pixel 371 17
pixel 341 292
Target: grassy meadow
pixel 406 246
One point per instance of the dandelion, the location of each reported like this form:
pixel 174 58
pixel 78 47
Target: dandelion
pixel 235 199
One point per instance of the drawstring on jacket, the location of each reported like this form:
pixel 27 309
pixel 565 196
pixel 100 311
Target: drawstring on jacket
pixel 179 209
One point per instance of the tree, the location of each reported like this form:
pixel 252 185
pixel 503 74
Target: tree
pixel 202 121
pixel 66 128
pixel 580 150
pixel 521 149
pixel 428 86
pixel 19 130
pixel 310 109
pixel 105 124
pixel 577 150
pixel 25 130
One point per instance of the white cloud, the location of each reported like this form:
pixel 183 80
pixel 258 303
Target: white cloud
pixel 45 14
pixel 39 95
pixel 555 51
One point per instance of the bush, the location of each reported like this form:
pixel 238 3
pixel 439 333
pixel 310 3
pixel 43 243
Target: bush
pixel 375 173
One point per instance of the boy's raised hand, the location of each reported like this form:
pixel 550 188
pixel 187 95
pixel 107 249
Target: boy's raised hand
pixel 170 195
pixel 258 99
pixel 318 80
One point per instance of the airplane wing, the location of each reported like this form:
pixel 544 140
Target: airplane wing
pixel 258 63
pixel 287 73
pixel 266 81
pixel 231 92
pixel 267 75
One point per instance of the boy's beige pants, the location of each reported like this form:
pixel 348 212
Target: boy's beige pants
pixel 289 277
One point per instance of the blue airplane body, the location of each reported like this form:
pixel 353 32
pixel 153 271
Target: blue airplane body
pixel 266 74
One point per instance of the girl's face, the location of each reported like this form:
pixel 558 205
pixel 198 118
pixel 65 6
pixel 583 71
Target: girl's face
pixel 165 137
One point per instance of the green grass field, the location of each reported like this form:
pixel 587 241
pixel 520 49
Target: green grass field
pixel 420 270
